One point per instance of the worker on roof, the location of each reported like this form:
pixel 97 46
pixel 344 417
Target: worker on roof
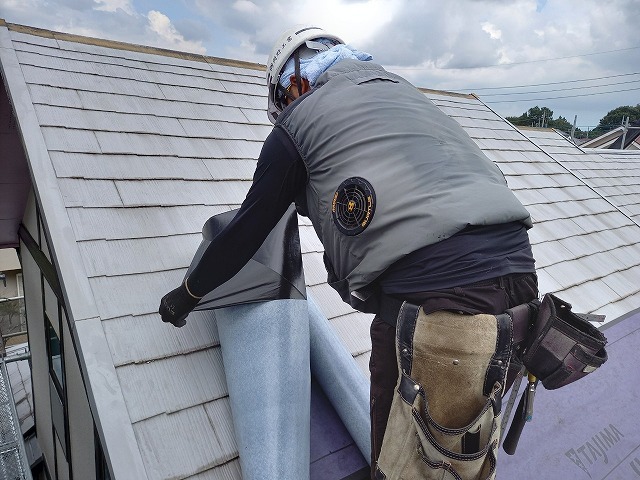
pixel 411 213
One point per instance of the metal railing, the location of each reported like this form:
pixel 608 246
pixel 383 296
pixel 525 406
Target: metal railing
pixel 13 459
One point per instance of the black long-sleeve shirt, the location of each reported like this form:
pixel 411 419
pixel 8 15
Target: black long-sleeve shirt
pixel 475 254
pixel 279 177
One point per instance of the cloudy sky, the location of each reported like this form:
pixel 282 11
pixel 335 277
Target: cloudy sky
pixel 576 57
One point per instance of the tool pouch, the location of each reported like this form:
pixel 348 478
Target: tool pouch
pixel 563 346
pixel 417 447
pixel 445 416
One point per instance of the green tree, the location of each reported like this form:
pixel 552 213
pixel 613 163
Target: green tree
pixel 613 118
pixel 562 124
pixel 9 316
pixel 543 117
pixel 534 117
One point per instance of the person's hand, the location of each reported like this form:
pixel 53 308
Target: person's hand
pixel 176 305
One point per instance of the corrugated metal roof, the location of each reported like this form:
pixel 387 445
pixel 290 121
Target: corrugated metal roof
pixel 146 145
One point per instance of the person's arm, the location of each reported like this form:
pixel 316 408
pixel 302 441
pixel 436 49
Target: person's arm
pixel 280 175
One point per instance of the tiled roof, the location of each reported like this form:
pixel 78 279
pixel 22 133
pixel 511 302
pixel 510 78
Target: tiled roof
pixel 144 145
pixel 145 148
pixel 587 245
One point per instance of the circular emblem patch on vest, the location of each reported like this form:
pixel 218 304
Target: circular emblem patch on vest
pixel 353 206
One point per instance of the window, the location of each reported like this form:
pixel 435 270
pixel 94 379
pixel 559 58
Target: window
pixel 23 314
pixel 55 356
pixel 56 386
pixel 19 285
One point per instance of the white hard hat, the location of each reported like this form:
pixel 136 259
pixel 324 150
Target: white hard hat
pixel 284 48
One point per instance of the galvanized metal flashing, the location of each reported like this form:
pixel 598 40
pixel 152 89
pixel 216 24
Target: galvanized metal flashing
pixel 451 94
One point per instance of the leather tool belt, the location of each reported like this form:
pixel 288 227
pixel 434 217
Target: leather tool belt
pixel 445 416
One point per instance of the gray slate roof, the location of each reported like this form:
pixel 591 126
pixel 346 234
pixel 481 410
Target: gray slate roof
pixel 134 148
pixel 600 272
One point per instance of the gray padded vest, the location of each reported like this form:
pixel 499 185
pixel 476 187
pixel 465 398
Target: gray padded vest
pixel 396 172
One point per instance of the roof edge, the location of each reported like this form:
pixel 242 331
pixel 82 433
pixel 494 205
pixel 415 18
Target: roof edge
pixel 444 92
pixel 114 44
pixel 535 129
pixel 621 318
pixel 132 47
pixel 97 370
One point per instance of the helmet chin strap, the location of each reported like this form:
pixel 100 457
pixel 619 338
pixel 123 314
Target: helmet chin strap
pixel 285 91
pixel 296 60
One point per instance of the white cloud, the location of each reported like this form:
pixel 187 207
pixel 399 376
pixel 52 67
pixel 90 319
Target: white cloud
pixel 445 45
pixel 494 32
pixel 245 6
pixel 114 6
pixel 9 8
pixel 169 37
pixel 355 22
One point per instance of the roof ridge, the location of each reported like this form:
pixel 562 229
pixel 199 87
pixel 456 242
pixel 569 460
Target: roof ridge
pixel 449 93
pixel 132 47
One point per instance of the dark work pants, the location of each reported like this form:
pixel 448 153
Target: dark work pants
pixel 491 296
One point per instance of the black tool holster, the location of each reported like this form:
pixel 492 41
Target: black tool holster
pixel 555 344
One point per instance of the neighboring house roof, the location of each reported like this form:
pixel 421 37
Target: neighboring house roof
pixel 132 149
pixel 613 139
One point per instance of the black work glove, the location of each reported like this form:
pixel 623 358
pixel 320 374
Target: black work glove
pixel 176 305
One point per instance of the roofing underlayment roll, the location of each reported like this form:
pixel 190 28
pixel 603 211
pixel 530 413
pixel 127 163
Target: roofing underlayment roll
pixel 342 381
pixel 265 350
